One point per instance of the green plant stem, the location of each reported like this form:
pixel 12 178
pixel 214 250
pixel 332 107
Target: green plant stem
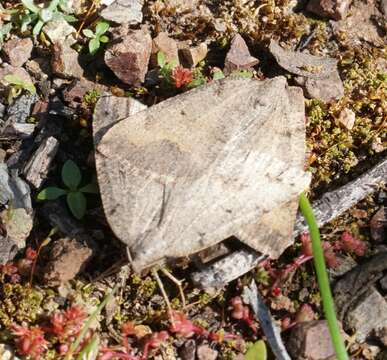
pixel 322 278
pixel 74 346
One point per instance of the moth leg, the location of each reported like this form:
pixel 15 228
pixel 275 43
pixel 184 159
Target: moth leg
pixel 163 292
pixel 178 283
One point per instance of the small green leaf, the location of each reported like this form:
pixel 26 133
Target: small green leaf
pixel 30 88
pixel 14 79
pixel 91 188
pixel 218 75
pixel 161 59
pixel 257 351
pixel 101 27
pixel 70 18
pixel 53 5
pixel 94 46
pixel 91 350
pixel 29 4
pixel 37 28
pixel 103 39
pixel 51 193
pixel 46 15
pixel 88 33
pixel 77 203
pixel 244 74
pixel 71 175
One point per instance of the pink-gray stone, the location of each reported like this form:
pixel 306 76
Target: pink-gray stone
pixel 17 51
pixel 129 58
pixel 238 57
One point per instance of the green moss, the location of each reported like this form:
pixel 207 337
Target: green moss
pixel 19 303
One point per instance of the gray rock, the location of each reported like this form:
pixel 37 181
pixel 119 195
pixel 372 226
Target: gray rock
pixel 188 350
pixel 311 340
pixel 6 69
pixel 333 9
pixel 124 12
pixel 378 225
pixel 192 56
pixel 238 57
pixel 15 125
pixel 168 46
pixel 18 131
pixel 204 352
pixel 368 315
pixel 5 188
pixel 65 61
pixel 347 118
pixel 361 25
pixel 17 218
pixel 2 111
pixel 7 353
pixel 38 166
pixel 383 7
pixel 20 109
pixel 60 31
pixel 318 75
pixel 17 51
pixel 18 223
pixel 383 283
pixel 129 58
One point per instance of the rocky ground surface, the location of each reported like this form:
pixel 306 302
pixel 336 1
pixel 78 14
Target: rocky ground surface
pixel 59 259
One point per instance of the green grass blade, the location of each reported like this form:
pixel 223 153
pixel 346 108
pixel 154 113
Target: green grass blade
pixel 322 278
pixel 88 323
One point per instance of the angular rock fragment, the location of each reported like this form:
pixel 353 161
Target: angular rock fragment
pixel 15 125
pixel 38 166
pixel 361 26
pixel 65 61
pixel 238 57
pixel 193 56
pixel 17 217
pixel 129 58
pixel 67 258
pixel 186 174
pixel 168 46
pixel 223 271
pixel 347 119
pixel 17 51
pixel 317 75
pixel 18 223
pixel 311 340
pixel 6 69
pixel 378 225
pixel 60 31
pixel 333 9
pixel 124 12
pixel 368 315
pixel 74 92
pixel 204 352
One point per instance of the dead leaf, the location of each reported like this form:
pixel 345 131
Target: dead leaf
pixel 218 161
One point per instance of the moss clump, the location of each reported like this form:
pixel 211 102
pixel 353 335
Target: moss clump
pixel 19 303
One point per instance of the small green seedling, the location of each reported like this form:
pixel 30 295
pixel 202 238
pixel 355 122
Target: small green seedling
pixel 4 31
pixel 98 37
pixel 257 351
pixel 76 200
pixel 17 85
pixel 40 16
pixel 166 68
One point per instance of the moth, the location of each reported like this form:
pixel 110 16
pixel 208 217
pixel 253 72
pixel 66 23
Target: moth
pixel 225 159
